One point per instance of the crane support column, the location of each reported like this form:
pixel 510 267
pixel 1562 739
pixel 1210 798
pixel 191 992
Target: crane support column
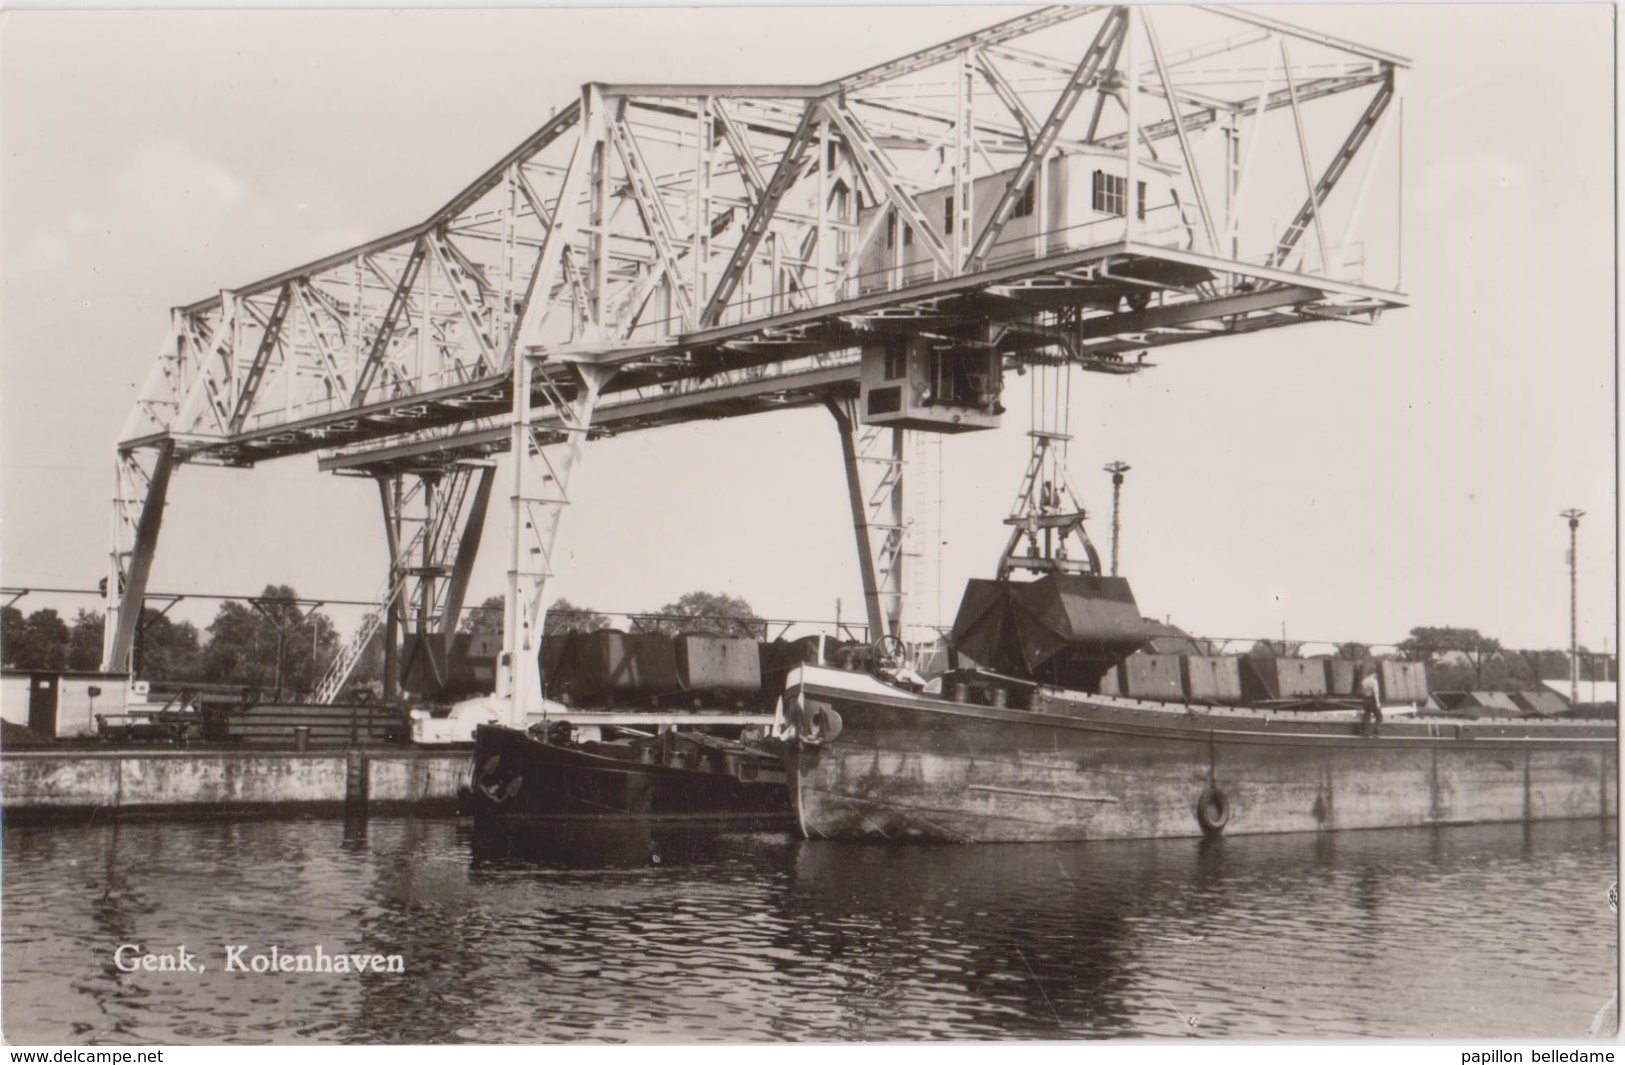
pixel 877 514
pixel 389 495
pixel 541 492
pixel 433 529
pixel 129 569
pixel 468 549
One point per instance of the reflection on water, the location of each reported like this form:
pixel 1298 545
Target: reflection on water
pixel 680 934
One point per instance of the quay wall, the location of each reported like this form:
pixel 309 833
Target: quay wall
pixel 68 783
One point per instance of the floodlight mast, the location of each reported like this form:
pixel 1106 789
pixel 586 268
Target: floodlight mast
pixel 1116 469
pixel 657 254
pixel 1574 515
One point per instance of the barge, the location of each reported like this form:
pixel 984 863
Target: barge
pixel 645 726
pixel 547 774
pixel 874 760
pixel 1054 727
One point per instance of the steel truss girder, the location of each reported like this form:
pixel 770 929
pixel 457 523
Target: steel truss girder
pixel 640 252
pixel 734 393
pixel 812 329
pixel 1012 293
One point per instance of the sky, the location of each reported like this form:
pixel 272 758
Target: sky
pixel 1337 481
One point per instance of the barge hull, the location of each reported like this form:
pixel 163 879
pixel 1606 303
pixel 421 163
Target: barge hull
pixel 517 778
pixel 1075 767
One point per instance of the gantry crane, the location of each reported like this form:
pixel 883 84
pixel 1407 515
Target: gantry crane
pixel 1072 187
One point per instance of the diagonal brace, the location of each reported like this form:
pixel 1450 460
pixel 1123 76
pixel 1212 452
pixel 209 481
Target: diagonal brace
pixel 1088 69
pixel 386 326
pixel 1334 170
pixel 761 216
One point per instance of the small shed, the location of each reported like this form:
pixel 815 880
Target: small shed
pixel 63 702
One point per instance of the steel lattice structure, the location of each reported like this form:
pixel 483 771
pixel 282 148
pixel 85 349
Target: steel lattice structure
pixel 662 253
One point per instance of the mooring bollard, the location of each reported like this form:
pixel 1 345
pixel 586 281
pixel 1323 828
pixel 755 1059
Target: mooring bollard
pixel 355 781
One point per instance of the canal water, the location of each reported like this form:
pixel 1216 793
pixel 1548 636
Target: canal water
pixel 685 935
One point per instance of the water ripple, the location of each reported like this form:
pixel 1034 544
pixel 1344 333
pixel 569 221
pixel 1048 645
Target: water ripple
pixel 643 935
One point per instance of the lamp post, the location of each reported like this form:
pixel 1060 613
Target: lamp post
pixel 1116 469
pixel 1574 515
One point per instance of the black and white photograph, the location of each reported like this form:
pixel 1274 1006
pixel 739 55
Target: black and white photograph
pixel 843 524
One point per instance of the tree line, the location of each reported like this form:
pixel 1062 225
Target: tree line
pixel 255 643
pixel 274 642
pixel 1460 659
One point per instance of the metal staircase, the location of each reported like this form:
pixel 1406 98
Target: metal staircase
pixel 350 653
pixel 433 542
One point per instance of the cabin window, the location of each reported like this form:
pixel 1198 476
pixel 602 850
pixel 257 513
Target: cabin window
pixel 948 215
pixel 1024 206
pixel 838 198
pixel 895 365
pixel 891 232
pixel 1139 197
pixel 959 378
pixel 886 400
pixel 1110 193
pixel 908 235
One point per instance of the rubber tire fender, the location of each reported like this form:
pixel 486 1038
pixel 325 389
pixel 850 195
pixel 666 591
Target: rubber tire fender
pixel 1212 810
pixel 496 793
pixel 485 771
pixel 827 722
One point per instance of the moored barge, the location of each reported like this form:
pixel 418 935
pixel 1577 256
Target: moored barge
pixel 1053 724
pixel 873 760
pixel 546 774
